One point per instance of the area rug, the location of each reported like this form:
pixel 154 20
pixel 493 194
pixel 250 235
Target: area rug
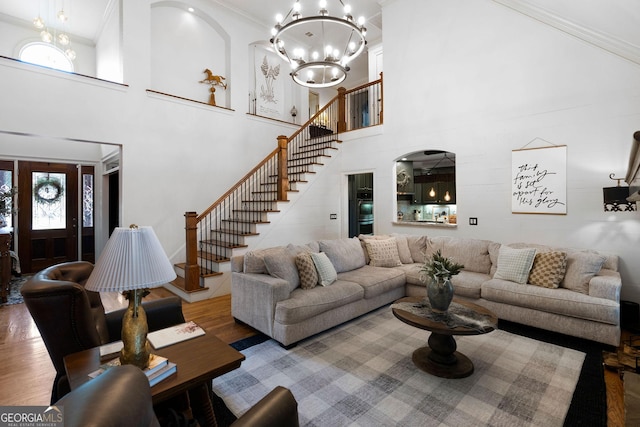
pixel 15 297
pixel 361 373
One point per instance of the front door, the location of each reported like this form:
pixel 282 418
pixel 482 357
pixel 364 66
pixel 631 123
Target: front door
pixel 47 214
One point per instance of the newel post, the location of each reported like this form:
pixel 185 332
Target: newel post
pixel 342 110
pixel 191 269
pixel 283 176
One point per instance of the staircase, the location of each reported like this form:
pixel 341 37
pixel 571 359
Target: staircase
pixel 227 227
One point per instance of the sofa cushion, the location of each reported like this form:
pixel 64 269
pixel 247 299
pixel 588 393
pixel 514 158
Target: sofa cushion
pixel 412 273
pixel 306 270
pixel 304 304
pixel 472 253
pixel 581 267
pixel 282 264
pixel 494 251
pixel 403 248
pixel 559 301
pixel 375 280
pixel 383 253
pixel 326 272
pixel 468 283
pixel 345 254
pixel 548 269
pixel 514 264
pixel 417 247
pixel 254 260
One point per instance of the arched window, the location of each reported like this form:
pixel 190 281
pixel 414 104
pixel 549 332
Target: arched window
pixel 46 55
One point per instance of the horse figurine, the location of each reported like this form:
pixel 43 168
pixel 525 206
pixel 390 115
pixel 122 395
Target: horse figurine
pixel 213 80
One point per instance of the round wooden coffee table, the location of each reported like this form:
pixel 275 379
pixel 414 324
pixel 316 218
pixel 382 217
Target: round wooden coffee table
pixel 440 357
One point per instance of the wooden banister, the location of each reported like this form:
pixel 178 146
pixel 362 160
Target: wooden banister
pixel 225 217
pixel 237 185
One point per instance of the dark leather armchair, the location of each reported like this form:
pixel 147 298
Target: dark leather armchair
pixel 72 319
pixel 122 397
pixel 119 397
pixel 277 409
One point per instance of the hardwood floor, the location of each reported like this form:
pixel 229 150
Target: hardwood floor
pixel 27 372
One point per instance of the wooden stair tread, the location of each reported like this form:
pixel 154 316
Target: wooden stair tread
pixel 322 144
pixel 256 210
pixel 212 257
pixel 243 221
pixel 204 272
pixel 304 164
pixel 178 282
pixel 313 156
pixel 235 232
pixel 223 244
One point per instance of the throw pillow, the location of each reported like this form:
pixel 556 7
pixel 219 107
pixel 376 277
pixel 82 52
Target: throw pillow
pixel 581 267
pixel 514 264
pixel 548 269
pixel 306 270
pixel 326 272
pixel 403 249
pixel 254 260
pixel 383 253
pixel 345 254
pixel 417 247
pixel 282 264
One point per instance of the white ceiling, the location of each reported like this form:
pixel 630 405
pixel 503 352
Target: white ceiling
pixel 616 18
pixel 86 16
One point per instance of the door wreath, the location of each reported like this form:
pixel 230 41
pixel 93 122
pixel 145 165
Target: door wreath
pixel 47 191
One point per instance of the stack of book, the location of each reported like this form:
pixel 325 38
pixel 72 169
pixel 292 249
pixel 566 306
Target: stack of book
pixel 159 368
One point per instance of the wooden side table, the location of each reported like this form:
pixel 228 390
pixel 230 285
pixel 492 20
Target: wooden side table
pixel 199 360
pixel 440 357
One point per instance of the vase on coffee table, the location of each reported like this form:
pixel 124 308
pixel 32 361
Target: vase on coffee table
pixel 436 273
pixel 440 293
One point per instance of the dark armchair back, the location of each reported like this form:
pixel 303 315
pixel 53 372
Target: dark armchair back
pixel 71 318
pixel 67 315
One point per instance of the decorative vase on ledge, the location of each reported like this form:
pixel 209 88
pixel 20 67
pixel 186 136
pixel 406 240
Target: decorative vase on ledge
pixel 440 293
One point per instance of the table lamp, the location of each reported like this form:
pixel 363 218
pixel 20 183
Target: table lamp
pixel 132 262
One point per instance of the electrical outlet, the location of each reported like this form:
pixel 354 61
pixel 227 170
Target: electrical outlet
pixel 333 216
pixel 473 221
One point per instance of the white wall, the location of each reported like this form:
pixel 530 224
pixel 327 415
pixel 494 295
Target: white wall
pixel 480 80
pixel 471 77
pixel 177 156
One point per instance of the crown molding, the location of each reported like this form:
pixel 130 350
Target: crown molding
pixel 596 38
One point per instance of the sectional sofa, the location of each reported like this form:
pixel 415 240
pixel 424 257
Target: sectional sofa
pixel 571 291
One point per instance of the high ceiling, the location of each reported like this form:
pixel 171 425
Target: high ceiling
pixel 617 19
pixel 85 17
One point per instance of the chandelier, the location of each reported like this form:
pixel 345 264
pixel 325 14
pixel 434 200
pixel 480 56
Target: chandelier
pixel 332 42
pixel 59 36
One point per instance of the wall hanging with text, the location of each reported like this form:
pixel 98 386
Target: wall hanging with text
pixel 539 180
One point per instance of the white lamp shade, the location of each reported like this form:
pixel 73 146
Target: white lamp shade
pixel 133 258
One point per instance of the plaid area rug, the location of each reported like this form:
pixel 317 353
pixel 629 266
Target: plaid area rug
pixel 361 373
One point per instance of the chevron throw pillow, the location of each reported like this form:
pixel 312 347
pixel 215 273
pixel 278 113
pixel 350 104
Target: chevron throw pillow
pixel 548 269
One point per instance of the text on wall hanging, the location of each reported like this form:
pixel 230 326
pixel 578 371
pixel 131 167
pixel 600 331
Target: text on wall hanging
pixel 539 181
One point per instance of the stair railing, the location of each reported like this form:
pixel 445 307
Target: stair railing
pixel 223 225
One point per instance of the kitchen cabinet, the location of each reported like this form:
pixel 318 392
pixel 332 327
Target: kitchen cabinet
pixel 417 194
pixel 441 184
